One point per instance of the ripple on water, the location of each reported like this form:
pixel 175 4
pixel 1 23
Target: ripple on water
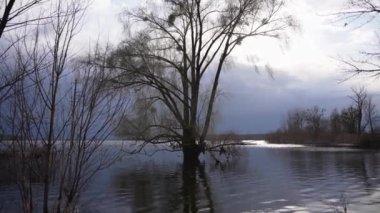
pixel 264 179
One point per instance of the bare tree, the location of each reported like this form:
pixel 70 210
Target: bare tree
pixel 362 12
pixel 16 19
pixel 349 119
pixel 371 115
pixel 94 114
pixel 315 120
pixel 310 120
pixel 296 121
pixel 359 97
pixel 176 55
pixel 13 13
pixel 335 122
pixel 60 114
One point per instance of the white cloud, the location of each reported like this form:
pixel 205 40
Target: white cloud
pixel 102 22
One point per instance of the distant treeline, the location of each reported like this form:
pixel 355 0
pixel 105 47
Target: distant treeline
pixel 357 124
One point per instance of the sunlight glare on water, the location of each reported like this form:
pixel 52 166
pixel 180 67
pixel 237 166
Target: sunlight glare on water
pixel 263 143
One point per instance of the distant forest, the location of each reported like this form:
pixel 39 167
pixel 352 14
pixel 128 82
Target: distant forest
pixel 357 124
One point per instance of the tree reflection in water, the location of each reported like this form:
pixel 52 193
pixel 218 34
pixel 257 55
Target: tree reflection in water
pixel 194 174
pixel 260 179
pixel 186 189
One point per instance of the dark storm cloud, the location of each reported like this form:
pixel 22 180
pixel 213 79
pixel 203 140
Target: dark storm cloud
pixel 254 102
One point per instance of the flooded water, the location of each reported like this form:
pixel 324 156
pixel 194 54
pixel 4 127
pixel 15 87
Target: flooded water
pixel 262 179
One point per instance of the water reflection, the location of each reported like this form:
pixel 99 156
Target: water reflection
pixel 155 189
pixel 260 180
pixel 266 180
pixel 360 168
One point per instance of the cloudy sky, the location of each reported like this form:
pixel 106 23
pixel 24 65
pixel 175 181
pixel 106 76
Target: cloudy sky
pixel 305 68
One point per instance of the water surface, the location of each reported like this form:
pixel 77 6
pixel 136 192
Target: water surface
pixel 261 179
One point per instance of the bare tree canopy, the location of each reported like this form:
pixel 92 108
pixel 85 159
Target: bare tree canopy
pixel 175 56
pixel 17 17
pixel 60 113
pixel 13 13
pixel 368 10
pixel 359 99
pixel 362 12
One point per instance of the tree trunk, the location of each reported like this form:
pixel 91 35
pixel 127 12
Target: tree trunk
pixel 190 148
pixel 191 162
pixel 360 121
pixel 371 126
pixel 46 179
pixel 189 184
pixel 191 153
